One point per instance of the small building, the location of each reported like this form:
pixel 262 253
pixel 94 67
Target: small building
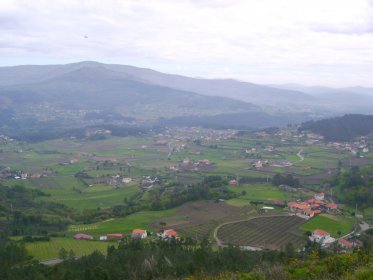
pixel 320 196
pixel 298 207
pixel 168 234
pixel 126 180
pixel 319 234
pixel 233 182
pixel 322 237
pixel 139 233
pixel 345 243
pixel 114 236
pixel 83 236
pixel 311 213
pixel 103 238
pixel 331 206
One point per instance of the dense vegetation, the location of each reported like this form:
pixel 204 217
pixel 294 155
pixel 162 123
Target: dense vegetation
pixel 342 128
pixel 356 186
pixel 22 214
pixel 177 259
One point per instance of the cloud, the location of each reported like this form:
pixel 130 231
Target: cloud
pixel 261 41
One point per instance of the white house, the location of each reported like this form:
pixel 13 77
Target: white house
pixel 103 238
pixel 322 237
pixel 126 180
pixel 320 196
pixel 319 234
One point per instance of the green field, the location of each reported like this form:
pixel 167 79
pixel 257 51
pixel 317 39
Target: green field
pixel 260 192
pixel 92 197
pixel 121 225
pixel 44 250
pixel 331 224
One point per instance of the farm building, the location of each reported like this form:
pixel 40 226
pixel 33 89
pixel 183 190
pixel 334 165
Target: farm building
pixel 139 233
pixel 168 234
pixel 83 236
pixel 103 238
pixel 114 236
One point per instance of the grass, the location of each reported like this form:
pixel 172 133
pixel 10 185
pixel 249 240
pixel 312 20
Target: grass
pixel 44 250
pixel 121 225
pixel 90 198
pixel 259 192
pixel 331 224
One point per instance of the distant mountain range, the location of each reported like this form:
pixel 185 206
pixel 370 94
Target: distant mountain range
pixel 69 92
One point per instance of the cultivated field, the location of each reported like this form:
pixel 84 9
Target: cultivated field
pixel 264 232
pixel 44 250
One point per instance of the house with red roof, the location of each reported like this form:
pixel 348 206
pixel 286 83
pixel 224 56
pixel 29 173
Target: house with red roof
pixel 83 236
pixel 168 234
pixel 139 233
pixel 345 243
pixel 319 233
pixel 114 236
pixel 322 237
pixel 310 213
pixel 298 207
pixel 331 206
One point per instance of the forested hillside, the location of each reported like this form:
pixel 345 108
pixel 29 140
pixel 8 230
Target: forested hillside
pixel 341 128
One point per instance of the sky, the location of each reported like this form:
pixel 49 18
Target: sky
pixel 311 42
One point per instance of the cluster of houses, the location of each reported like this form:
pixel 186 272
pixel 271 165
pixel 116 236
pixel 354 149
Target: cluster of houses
pixel 324 238
pixel 136 234
pixel 359 146
pixel 148 182
pixel 312 207
pixel 6 172
pixel 188 165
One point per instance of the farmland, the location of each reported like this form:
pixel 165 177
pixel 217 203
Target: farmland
pixel 121 225
pixel 43 250
pixel 87 177
pixel 263 232
pixel 336 225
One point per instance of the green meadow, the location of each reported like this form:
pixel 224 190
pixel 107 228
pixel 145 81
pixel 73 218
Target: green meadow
pixel 121 225
pixel 330 223
pixel 44 250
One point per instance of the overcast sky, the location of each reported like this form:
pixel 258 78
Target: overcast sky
pixel 314 42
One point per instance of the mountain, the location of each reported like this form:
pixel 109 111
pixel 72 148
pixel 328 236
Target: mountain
pixel 343 100
pixel 93 86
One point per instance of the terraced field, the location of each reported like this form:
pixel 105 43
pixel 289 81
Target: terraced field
pixel 199 232
pixel 264 232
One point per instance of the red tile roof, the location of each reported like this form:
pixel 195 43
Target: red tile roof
pixel 138 231
pixel 345 242
pixel 331 206
pixel 83 236
pixel 115 235
pixel 320 232
pixel 170 233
